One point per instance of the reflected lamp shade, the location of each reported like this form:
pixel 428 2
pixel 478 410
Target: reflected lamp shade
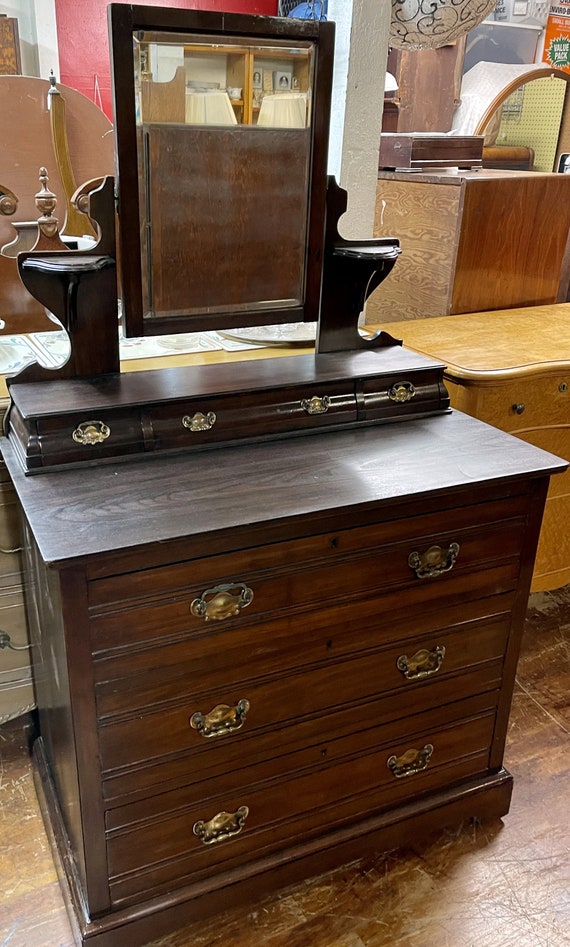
pixel 427 24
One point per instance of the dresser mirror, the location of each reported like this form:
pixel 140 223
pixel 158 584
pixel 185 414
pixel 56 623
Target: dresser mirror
pixel 226 219
pixel 221 162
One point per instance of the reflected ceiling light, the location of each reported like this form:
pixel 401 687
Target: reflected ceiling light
pixel 427 24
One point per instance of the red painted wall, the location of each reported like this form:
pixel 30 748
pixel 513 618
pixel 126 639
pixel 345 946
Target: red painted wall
pixel 84 46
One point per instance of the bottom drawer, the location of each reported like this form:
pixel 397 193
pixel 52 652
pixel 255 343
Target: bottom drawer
pixel 181 837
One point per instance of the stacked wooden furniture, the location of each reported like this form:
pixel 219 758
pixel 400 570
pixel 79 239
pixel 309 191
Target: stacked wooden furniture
pixel 472 241
pixel 276 612
pixel 16 686
pixel 511 368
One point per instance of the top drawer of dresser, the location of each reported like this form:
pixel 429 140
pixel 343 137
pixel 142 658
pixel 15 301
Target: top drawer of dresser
pixel 517 404
pixel 351 564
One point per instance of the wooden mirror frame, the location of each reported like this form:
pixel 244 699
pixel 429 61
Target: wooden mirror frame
pixel 537 73
pixel 124 20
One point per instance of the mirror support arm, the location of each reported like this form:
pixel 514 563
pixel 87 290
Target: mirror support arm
pixel 352 270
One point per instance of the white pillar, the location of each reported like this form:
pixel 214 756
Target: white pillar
pixel 46 32
pixel 362 31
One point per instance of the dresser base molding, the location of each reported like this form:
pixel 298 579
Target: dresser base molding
pixel 485 798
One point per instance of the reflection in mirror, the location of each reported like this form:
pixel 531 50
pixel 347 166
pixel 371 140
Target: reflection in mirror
pixel 207 147
pixel 522 112
pixel 224 150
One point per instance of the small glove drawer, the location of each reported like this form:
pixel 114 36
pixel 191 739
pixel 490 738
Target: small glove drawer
pixel 225 418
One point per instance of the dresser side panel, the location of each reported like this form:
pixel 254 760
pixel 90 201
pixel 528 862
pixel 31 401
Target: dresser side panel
pixel 425 218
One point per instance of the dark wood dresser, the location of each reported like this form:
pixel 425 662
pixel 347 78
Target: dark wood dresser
pixel 275 608
pixel 251 670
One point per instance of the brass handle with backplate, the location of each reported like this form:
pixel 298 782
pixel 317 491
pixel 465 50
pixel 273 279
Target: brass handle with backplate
pixel 199 421
pixel 91 433
pixel 402 391
pixel 223 826
pixel 410 762
pixel 422 664
pixel 316 405
pixel 434 561
pixel 221 720
pixel 220 602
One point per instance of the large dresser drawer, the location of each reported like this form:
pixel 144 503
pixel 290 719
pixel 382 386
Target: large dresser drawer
pixel 168 837
pixel 322 568
pixel 213 727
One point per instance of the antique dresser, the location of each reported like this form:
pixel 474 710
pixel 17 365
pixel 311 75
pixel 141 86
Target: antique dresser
pixel 275 609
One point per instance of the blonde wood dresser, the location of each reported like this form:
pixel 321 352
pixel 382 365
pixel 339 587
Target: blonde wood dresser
pixel 471 241
pixel 511 368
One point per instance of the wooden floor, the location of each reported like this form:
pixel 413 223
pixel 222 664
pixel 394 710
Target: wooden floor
pixel 505 884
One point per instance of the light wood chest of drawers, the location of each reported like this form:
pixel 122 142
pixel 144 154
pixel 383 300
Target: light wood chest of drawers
pixel 251 671
pixel 471 241
pixel 16 686
pixel 511 368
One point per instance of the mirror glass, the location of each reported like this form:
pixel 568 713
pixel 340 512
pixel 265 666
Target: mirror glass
pixel 223 141
pixel 530 118
pixel 522 112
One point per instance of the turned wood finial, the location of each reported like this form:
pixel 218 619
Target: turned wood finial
pixel 45 202
pixel 48 225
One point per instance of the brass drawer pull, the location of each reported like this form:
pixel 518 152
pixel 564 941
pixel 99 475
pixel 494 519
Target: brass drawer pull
pixel 91 432
pixel 402 391
pixel 221 720
pixel 222 827
pixel 219 603
pixel 199 421
pixel 422 664
pixel 410 762
pixel 434 561
pixel 316 405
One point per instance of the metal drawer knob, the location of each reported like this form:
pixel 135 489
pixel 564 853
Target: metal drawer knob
pixel 91 432
pixel 519 408
pixel 222 720
pixel 223 826
pixel 422 664
pixel 434 561
pixel 220 602
pixel 410 762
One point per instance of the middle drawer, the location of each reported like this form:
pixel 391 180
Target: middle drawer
pixel 275 705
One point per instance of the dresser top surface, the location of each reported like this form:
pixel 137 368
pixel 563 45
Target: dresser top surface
pixel 457 177
pixel 267 488
pixel 492 345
